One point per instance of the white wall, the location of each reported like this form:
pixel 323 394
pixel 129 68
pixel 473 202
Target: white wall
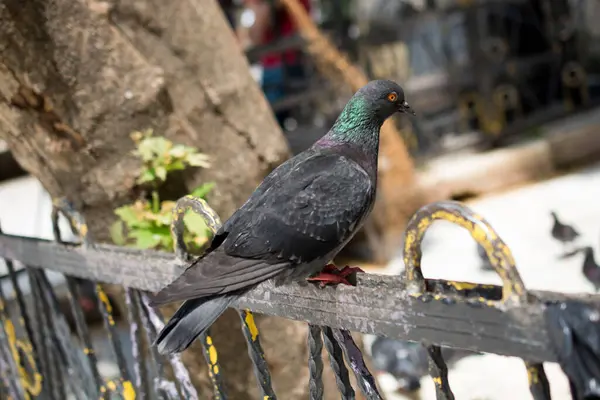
pixel 25 209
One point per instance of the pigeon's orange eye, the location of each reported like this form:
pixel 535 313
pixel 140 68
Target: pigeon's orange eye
pixel 392 97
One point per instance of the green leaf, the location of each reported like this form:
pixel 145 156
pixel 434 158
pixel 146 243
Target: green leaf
pixel 195 224
pixel 116 233
pixel 166 243
pixel 203 190
pixel 175 166
pixel 145 239
pixel 127 215
pixel 161 231
pixel 198 160
pixel 147 175
pixel 161 173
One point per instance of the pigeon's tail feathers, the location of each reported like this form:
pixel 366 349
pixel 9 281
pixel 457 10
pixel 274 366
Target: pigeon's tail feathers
pixel 217 274
pixel 191 320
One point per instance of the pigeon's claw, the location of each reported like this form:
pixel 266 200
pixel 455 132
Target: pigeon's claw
pixel 330 275
pixel 347 270
pixel 326 278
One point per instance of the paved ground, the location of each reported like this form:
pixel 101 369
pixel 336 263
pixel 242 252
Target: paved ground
pixel 522 219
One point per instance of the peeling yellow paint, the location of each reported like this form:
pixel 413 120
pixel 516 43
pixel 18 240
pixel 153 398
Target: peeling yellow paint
pixel 128 391
pixel 111 386
pixel 83 230
pixel 462 285
pixel 249 319
pixel 212 354
pixel 31 384
pixel 105 300
pixel 532 375
pixel 437 381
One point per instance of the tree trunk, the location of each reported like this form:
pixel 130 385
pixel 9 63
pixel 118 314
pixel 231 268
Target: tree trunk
pixel 78 76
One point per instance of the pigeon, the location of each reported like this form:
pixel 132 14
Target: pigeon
pixel 294 223
pixel 591 270
pixel 407 361
pixel 561 232
pixel 485 265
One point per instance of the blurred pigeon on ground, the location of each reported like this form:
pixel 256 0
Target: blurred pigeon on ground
pixel 591 270
pixel 407 361
pixel 485 265
pixel 565 234
pixel 294 223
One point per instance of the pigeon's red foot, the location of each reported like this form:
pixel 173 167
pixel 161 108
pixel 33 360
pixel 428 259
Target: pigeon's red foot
pixel 330 275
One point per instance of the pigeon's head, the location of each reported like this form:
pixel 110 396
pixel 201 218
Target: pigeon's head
pixel 383 98
pixel 554 216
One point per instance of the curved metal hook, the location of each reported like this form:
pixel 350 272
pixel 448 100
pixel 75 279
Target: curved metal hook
pixel 76 221
pixel 200 207
pixel 498 252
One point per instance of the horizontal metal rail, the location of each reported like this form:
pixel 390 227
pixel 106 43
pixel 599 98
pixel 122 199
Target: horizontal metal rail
pixel 453 314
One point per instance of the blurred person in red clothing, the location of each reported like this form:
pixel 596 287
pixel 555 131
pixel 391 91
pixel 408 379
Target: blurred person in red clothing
pixel 271 21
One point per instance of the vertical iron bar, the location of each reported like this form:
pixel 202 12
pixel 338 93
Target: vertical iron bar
pixel 84 334
pixel 48 340
pixel 257 355
pixel 160 384
pixel 21 302
pixel 109 323
pixel 365 380
pixel 538 382
pixel 8 380
pixel 80 380
pixel 139 368
pixel 41 334
pixel 7 354
pixel 439 373
pixel 336 360
pixel 214 369
pixel 315 362
pixel 181 373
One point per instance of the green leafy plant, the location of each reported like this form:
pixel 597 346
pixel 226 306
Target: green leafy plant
pixel 145 224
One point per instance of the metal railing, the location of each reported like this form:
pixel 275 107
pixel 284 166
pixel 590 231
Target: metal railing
pixel 38 359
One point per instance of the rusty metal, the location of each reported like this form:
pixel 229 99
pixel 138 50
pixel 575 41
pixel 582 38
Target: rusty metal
pixel 538 382
pixel 153 323
pixel 336 360
pixel 139 364
pixel 439 373
pixel 315 363
pixel 517 331
pixel 366 381
pixel 501 260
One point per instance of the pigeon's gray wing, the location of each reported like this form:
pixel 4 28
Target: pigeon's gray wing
pixel 304 214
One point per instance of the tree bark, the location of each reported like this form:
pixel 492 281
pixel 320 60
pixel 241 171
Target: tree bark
pixel 78 76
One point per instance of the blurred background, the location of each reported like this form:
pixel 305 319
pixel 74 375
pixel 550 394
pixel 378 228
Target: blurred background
pixel 506 95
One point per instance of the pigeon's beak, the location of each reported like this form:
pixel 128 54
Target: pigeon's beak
pixel 405 108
